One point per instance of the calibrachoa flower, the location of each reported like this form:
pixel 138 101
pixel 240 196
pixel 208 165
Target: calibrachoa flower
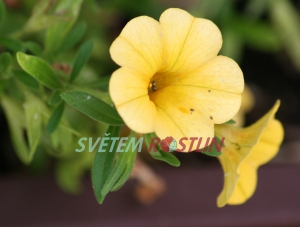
pixel 245 150
pixel 171 80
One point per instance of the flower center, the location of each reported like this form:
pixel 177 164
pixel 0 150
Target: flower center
pixel 152 87
pixel 160 81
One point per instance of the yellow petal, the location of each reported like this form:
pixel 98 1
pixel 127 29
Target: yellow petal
pixel 129 93
pixel 193 102
pixel 234 152
pixel 179 115
pixel 248 99
pixel 245 185
pixel 263 152
pixel 188 41
pixel 139 46
pixel 216 88
pixel 239 143
pixel 268 144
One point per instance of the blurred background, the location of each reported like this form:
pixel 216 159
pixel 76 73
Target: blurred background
pixel 263 36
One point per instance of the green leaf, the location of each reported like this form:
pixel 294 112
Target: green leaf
pixel 5 62
pixel 230 122
pixel 103 163
pixel 92 91
pixel 2 86
pixel 72 38
pixel 2 11
pixel 61 141
pixel 56 34
pixel 255 33
pixel 14 90
pixel 38 69
pixel 16 122
pixel 159 154
pixel 55 119
pixel 43 16
pixel 55 98
pixel 92 107
pixel 26 79
pixel 12 44
pixel 33 47
pixel 130 164
pixel 286 21
pixel 33 123
pixel 211 150
pixel 121 170
pixel 65 128
pixel 81 58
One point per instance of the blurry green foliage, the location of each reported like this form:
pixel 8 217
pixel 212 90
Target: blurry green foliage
pixel 266 25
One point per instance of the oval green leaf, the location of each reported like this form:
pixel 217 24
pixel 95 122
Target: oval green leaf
pixel 11 44
pixel 159 154
pixel 55 98
pixel 121 170
pixel 215 147
pixel 5 62
pixel 82 56
pixel 92 107
pixel 103 163
pixel 33 118
pixel 55 119
pixel 39 69
pixel 33 47
pixel 230 122
pixel 72 38
pixel 15 118
pixel 26 79
pixel 69 9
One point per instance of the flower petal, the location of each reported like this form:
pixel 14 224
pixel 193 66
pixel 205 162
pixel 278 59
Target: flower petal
pixel 139 46
pixel 180 115
pixel 188 41
pixel 263 152
pixel 216 87
pixel 239 143
pixel 193 102
pixel 232 155
pixel 128 90
pixel 268 144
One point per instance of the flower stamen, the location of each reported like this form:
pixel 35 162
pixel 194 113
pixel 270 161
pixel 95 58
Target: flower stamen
pixel 154 88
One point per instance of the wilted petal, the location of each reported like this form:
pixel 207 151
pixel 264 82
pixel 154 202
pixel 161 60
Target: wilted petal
pixel 239 143
pixel 262 153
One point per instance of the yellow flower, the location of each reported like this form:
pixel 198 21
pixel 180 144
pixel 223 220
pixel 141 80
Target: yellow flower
pixel 245 150
pixel 171 80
